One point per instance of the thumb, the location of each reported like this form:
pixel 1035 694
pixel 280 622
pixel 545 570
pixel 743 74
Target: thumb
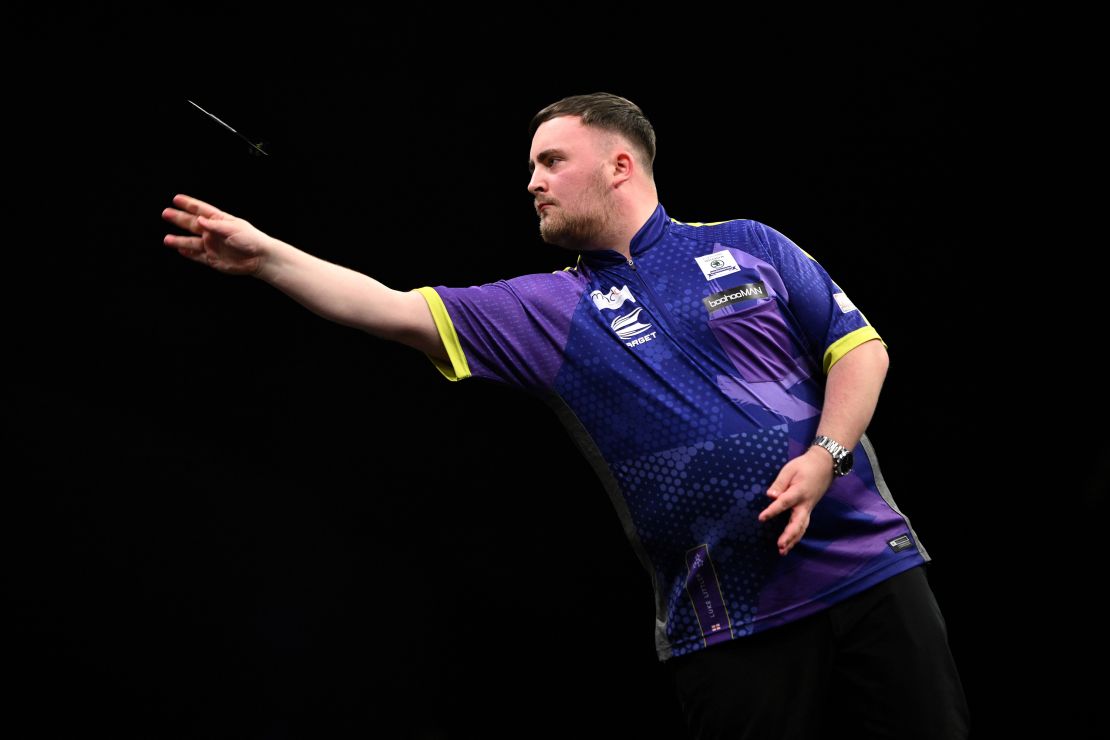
pixel 780 483
pixel 775 491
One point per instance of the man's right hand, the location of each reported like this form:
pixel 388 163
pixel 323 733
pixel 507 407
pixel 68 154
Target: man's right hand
pixel 221 241
pixel 232 245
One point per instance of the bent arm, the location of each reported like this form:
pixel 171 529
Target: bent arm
pixel 852 392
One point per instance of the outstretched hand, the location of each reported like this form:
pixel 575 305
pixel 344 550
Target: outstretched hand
pixel 799 486
pixel 221 241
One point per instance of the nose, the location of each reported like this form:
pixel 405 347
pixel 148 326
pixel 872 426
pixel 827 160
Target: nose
pixel 535 183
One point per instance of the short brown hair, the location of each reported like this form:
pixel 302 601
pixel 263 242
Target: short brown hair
pixel 610 113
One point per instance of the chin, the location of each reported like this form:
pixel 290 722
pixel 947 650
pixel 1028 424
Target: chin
pixel 552 240
pixel 551 236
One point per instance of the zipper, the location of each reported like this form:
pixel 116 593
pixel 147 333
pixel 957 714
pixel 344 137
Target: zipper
pixel 679 345
pixel 654 298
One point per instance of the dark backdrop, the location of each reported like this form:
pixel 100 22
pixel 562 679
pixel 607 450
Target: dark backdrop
pixel 227 517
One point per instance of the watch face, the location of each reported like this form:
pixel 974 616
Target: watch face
pixel 845 465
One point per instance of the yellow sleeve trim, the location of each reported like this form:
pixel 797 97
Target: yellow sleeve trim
pixel 456 369
pixel 847 343
pixel 699 223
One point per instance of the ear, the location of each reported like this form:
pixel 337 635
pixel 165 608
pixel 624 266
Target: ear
pixel 622 166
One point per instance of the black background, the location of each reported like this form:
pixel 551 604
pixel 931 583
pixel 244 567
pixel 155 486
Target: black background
pixel 227 517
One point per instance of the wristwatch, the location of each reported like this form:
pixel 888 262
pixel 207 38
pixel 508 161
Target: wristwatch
pixel 841 455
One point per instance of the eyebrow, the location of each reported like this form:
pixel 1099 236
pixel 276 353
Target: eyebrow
pixel 542 155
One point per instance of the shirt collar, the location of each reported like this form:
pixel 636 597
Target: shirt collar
pixel 650 234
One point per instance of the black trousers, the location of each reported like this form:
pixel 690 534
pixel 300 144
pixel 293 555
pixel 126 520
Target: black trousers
pixel 876 665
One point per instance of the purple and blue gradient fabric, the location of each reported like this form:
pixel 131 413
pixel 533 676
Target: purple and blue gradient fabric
pixel 688 376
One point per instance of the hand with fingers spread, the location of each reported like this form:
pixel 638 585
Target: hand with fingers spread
pixel 219 240
pixel 799 486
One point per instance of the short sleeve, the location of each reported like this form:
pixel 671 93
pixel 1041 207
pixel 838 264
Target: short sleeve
pixel 826 316
pixel 511 331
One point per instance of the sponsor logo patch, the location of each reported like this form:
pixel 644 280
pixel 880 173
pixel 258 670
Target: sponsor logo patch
pixel 717 264
pixel 641 339
pixel 613 299
pixel 898 544
pixel 629 325
pixel 732 296
pixel 845 304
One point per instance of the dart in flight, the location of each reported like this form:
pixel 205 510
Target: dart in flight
pixel 254 147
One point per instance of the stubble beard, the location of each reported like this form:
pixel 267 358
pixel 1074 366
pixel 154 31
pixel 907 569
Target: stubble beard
pixel 580 230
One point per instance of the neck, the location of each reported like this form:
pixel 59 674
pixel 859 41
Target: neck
pixel 637 214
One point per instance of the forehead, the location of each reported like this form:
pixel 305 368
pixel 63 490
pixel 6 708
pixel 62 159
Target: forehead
pixel 565 133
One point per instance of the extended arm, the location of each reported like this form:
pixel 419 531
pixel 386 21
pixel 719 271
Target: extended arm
pixel 234 246
pixel 851 394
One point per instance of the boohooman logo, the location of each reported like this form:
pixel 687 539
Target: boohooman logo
pixel 739 294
